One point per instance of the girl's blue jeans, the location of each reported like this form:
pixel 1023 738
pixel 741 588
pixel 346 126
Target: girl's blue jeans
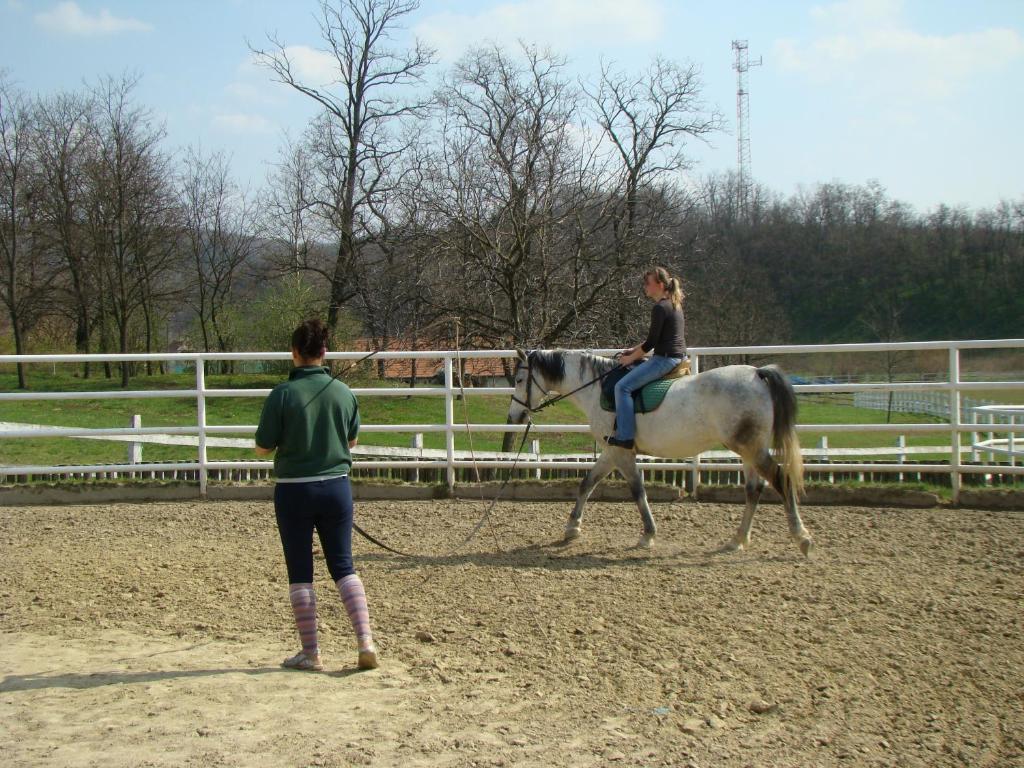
pixel 651 369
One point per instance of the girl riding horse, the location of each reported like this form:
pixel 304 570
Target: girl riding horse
pixel 666 338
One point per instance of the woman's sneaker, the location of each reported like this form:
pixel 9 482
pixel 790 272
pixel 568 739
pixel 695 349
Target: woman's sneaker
pixel 304 662
pixel 367 652
pixel 367 658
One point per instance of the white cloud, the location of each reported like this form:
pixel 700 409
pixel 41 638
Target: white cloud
pixel 69 19
pixel 309 65
pixel 243 123
pixel 562 24
pixel 258 94
pixel 866 44
pixel 855 14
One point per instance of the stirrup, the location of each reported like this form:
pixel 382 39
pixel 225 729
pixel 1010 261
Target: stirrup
pixel 616 442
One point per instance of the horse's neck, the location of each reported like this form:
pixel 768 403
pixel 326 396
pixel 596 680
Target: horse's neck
pixel 581 378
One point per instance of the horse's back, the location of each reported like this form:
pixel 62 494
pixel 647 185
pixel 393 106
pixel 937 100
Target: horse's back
pixel 728 383
pixel 707 409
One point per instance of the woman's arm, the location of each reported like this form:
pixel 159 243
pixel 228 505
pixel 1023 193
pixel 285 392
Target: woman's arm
pixel 268 431
pixel 631 355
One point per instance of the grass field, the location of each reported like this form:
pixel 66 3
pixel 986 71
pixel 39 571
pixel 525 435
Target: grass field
pixel 374 410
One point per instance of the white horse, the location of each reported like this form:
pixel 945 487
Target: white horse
pixel 751 411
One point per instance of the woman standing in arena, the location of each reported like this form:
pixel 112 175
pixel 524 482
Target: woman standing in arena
pixel 312 422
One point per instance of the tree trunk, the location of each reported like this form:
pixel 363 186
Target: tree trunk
pixel 105 343
pixel 149 337
pixel 508 440
pixel 82 338
pixel 125 366
pixel 19 349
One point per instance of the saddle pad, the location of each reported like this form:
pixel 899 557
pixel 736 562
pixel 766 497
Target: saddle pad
pixel 645 400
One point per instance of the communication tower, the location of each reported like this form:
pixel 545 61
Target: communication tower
pixel 742 64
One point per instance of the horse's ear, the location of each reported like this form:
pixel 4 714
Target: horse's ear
pixel 521 353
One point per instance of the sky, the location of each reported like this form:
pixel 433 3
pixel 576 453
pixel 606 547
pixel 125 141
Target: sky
pixel 923 97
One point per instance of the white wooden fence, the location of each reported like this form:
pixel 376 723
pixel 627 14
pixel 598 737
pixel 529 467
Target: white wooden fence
pixel 926 403
pixel 952 386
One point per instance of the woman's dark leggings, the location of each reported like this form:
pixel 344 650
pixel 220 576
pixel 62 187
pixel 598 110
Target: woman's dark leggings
pixel 325 506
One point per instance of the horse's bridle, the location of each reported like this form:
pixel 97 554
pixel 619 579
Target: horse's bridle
pixel 530 381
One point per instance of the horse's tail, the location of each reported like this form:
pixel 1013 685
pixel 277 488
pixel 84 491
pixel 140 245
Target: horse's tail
pixel 784 439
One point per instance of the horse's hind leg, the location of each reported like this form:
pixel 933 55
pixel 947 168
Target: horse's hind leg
pixel 626 463
pixel 753 486
pixel 772 472
pixel 604 465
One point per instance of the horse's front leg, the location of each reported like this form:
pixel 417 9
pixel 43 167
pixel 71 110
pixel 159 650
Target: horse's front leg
pixel 604 465
pixel 626 463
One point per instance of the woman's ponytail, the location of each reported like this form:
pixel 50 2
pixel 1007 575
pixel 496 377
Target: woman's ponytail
pixel 675 292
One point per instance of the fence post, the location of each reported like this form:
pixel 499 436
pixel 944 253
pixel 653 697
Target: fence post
pixel 695 472
pixel 201 419
pixel 974 435
pixel 535 451
pixel 954 420
pixel 449 422
pixel 823 445
pixel 135 448
pixel 1011 439
pixel 991 435
pixel 417 442
pixel 901 456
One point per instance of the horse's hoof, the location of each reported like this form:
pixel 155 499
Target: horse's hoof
pixel 807 546
pixel 646 541
pixel 731 546
pixel 571 534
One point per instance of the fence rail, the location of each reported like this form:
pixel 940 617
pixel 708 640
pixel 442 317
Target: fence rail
pixel 961 414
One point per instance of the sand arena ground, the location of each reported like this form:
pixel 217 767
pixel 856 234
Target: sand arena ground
pixel 149 635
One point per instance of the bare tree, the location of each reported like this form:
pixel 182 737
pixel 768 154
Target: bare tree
pixel 353 140
pixel 505 188
pixel 646 119
pixel 220 237
pixel 393 295
pixel 131 210
pixel 64 146
pixel 286 208
pixel 25 275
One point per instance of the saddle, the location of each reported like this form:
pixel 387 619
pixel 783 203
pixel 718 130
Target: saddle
pixel 649 396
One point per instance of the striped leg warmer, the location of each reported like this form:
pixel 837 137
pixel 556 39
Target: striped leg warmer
pixel 303 600
pixel 354 598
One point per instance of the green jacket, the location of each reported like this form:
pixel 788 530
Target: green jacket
pixel 310 420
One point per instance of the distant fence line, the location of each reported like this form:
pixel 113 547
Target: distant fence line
pixel 925 403
pixel 451 466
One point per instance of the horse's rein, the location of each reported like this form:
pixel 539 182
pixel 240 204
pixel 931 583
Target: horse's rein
pixel 530 381
pixel 486 515
pixel 483 518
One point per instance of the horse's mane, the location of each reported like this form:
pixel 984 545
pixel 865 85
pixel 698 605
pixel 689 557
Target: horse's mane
pixel 592 365
pixel 552 364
